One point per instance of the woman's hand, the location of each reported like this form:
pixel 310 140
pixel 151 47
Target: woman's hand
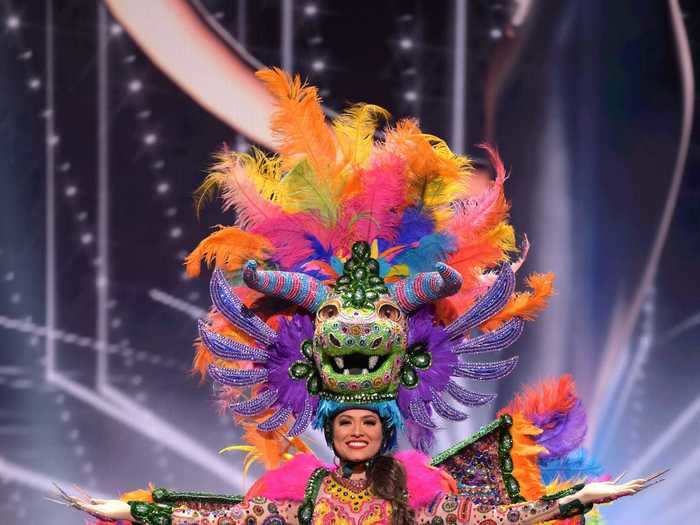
pixel 105 509
pixel 115 509
pixel 607 491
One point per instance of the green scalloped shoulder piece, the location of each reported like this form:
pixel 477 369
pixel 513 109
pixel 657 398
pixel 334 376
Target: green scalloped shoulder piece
pixel 165 496
pixel 306 509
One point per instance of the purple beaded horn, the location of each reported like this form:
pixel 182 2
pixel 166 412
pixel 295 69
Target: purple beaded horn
pixel 298 288
pixel 426 287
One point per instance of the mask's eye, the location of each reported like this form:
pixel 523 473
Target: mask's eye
pixel 387 311
pixel 327 312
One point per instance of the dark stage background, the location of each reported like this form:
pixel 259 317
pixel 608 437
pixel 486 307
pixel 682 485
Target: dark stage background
pixel 102 146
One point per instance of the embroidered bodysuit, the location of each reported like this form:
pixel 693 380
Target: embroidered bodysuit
pixel 343 502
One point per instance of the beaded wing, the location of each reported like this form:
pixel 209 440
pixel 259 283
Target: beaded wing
pixel 357 271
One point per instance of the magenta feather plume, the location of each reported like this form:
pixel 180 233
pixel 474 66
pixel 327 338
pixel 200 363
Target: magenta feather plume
pixel 478 211
pixel 376 212
pixel 291 237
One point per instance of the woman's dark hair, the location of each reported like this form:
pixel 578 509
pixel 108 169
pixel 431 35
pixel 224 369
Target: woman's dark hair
pixel 387 477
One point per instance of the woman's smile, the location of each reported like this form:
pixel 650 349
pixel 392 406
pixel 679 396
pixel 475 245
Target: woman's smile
pixel 357 444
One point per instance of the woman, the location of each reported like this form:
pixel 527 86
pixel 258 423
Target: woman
pixel 367 487
pixel 337 297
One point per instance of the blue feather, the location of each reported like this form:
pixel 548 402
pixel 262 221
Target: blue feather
pixel 321 252
pixel 578 464
pixel 432 248
pixel 414 226
pixel 337 265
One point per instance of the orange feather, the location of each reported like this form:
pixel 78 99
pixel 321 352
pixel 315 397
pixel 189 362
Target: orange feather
pixel 202 359
pixel 299 123
pixel 139 495
pixel 525 304
pixel 556 395
pixel 436 176
pixel 230 247
pixel 524 455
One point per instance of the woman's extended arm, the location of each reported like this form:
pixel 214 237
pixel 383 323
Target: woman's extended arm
pixel 180 508
pixel 577 500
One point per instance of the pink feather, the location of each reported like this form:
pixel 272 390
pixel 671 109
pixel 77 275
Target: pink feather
pixel 376 211
pixel 424 482
pixel 290 236
pixel 482 210
pixel 287 482
pixel 241 194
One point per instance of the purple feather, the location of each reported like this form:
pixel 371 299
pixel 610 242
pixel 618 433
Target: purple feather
pixel 562 432
pixel 494 341
pixel 487 306
pixel 237 376
pixel 303 420
pixel 421 438
pixel 486 371
pixel 251 407
pixel 467 397
pixel 421 329
pixel 444 409
pixel 230 305
pixel 276 420
pixel 285 351
pixel 227 348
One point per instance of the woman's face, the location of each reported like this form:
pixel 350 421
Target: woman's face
pixel 357 434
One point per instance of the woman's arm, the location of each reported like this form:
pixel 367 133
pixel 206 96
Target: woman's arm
pixel 453 509
pixel 180 508
pixel 568 503
pixel 248 512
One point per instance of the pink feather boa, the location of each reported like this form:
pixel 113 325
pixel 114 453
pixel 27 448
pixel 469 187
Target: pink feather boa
pixel 288 482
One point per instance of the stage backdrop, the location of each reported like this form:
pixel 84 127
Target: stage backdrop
pixel 109 116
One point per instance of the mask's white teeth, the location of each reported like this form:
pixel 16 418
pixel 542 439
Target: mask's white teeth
pixel 365 371
pixel 346 372
pixel 339 362
pixel 373 362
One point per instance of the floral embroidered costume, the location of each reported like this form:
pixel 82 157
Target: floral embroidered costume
pixel 365 272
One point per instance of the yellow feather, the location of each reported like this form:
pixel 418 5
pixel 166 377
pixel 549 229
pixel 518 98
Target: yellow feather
pixel 303 189
pixel 237 448
pixel 354 131
pixel 503 236
pixel 400 270
pixel 205 192
pixel 374 249
pixel 265 172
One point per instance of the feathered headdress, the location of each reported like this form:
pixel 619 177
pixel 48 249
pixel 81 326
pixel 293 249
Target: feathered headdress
pixel 356 271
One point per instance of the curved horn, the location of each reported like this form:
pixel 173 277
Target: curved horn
pixel 426 287
pixel 298 288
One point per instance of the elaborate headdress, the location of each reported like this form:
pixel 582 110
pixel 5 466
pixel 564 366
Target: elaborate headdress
pixel 357 272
